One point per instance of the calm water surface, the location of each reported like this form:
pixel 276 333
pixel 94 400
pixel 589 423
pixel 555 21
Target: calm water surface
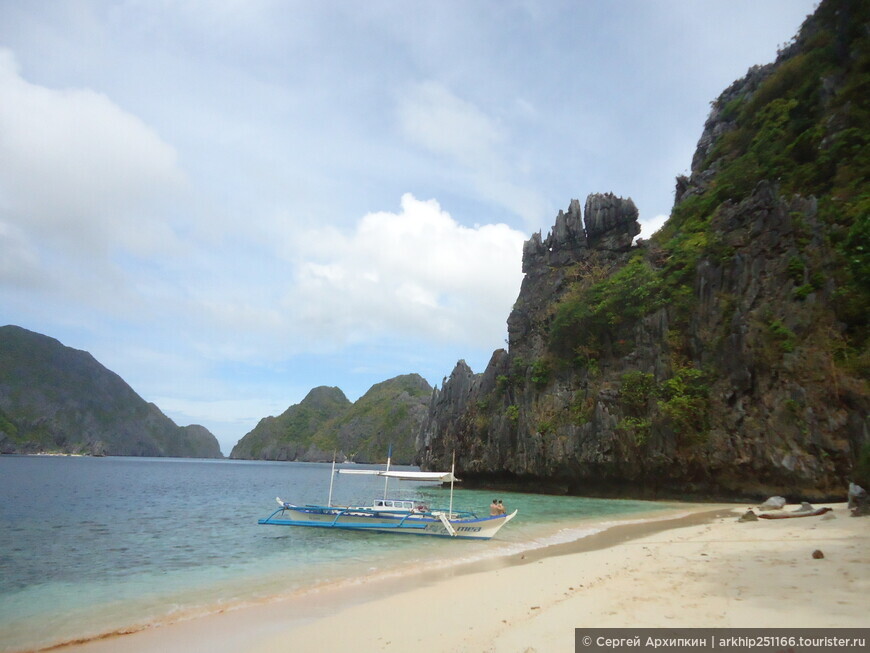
pixel 93 545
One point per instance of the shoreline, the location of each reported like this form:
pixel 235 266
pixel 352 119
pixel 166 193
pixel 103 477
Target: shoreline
pixel 312 603
pixel 701 569
pixel 716 573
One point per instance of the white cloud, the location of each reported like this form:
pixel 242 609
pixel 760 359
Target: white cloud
pixel 651 225
pixel 79 172
pixel 432 116
pixel 417 273
pixel 18 260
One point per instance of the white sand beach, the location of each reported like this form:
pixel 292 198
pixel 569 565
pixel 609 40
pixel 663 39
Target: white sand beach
pixel 694 571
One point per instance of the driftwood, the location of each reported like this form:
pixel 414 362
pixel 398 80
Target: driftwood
pixel 800 513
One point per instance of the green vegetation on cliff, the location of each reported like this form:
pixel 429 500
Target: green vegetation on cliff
pixel 729 353
pixel 598 314
pixel 806 129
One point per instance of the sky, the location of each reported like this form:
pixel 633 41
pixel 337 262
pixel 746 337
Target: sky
pixel 231 202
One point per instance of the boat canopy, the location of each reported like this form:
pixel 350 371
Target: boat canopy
pixel 438 477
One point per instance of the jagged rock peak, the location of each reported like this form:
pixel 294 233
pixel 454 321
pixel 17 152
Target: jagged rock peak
pixel 533 252
pixel 611 221
pixel 459 382
pixel 568 231
pixel 610 224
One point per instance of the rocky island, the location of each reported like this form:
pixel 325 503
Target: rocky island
pixel 55 399
pixel 326 423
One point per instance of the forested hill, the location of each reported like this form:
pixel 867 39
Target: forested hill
pixel 325 422
pixel 61 400
pixel 726 356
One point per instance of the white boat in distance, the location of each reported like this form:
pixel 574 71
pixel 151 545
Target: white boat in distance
pixel 392 515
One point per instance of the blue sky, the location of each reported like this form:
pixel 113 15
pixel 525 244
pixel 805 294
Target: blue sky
pixel 231 202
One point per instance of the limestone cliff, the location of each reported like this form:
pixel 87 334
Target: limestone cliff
pixel 726 356
pixel 58 399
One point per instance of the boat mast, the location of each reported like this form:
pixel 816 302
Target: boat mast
pixel 331 479
pixel 452 473
pixel 387 478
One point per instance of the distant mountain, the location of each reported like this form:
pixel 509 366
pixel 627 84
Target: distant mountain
pixel 57 399
pixel 289 436
pixel 390 413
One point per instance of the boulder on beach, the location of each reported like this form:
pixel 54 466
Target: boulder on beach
pixel 749 515
pixel 773 503
pixel 859 501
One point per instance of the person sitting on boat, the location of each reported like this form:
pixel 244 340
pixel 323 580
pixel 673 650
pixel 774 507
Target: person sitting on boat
pixel 493 508
pixel 501 509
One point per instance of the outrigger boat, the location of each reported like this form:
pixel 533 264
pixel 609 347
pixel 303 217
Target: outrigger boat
pixel 392 515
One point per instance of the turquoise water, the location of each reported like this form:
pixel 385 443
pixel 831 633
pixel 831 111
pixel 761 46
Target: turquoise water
pixel 96 545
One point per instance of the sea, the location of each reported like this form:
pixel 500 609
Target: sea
pixel 93 546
